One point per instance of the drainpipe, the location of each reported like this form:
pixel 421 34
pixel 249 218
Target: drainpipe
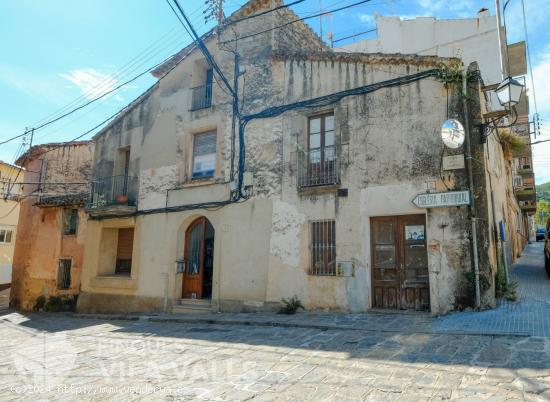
pixel 473 240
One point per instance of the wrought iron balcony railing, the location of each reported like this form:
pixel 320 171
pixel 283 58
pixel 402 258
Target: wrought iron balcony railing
pixel 114 190
pixel 319 167
pixel 201 97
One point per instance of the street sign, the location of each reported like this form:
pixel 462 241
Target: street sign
pixel 442 200
pixel 453 162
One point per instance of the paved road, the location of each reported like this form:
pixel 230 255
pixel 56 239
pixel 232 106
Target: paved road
pixel 57 357
pixel 530 314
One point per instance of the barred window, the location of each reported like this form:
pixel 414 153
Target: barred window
pixel 323 247
pixel 204 155
pixel 64 273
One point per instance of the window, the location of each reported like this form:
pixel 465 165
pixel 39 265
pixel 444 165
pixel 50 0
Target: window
pixel 6 236
pixel 201 96
pixel 323 248
pixel 320 166
pixel 70 221
pixel 125 246
pixel 64 273
pixel 204 155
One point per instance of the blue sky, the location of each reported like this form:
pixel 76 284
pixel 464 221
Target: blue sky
pixel 60 52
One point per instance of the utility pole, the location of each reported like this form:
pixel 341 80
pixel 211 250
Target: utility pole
pixel 219 12
pixel 469 160
pixel 502 41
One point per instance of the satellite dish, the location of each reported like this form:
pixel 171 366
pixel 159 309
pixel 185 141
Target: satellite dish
pixel 452 133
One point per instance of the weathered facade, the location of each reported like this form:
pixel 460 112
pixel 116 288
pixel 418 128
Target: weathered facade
pixel 509 173
pixel 52 223
pixel 10 190
pixel 336 147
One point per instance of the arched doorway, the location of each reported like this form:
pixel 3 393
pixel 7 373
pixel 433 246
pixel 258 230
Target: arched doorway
pixel 199 257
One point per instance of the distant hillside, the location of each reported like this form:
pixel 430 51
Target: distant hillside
pixel 543 191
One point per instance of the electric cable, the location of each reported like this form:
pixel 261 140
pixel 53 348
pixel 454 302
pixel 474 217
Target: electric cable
pixel 297 20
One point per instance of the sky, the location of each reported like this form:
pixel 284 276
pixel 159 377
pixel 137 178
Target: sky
pixel 58 54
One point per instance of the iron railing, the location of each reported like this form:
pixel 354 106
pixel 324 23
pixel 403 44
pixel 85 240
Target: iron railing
pixel 319 167
pixel 201 97
pixel 114 190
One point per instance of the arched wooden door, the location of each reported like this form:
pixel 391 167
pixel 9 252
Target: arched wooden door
pixel 199 257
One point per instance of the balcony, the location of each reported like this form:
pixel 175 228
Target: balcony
pixel 525 192
pixel 201 97
pixel 528 206
pixel 115 195
pixel 319 167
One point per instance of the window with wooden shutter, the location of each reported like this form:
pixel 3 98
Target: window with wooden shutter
pixel 70 221
pixel 125 247
pixel 204 155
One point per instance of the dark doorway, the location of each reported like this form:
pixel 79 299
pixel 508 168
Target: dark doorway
pixel 199 258
pixel 399 262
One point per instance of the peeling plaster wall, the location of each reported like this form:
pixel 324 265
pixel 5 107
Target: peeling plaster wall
pixel 390 149
pixel 40 239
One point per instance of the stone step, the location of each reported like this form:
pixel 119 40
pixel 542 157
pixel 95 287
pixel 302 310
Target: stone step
pixel 194 302
pixel 191 306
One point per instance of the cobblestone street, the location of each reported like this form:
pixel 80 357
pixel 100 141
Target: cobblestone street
pixel 141 360
pixel 377 357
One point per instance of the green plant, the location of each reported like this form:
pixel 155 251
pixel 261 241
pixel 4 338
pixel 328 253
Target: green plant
pixel 453 75
pixel 290 306
pixel 40 302
pixel 484 283
pixel 504 289
pixel 54 304
pixel 507 138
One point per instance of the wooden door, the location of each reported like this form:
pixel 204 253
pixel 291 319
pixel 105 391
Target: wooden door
pixel 399 262
pixel 194 260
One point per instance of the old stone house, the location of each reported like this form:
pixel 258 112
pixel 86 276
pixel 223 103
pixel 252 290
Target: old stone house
pixel 310 195
pixel 49 251
pixel 509 172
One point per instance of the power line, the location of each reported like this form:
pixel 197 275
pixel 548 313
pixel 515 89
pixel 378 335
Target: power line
pixel 296 20
pixel 191 31
pixel 138 60
pixel 263 13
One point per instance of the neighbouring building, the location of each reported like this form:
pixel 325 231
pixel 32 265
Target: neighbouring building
pixel 509 170
pixel 311 195
pixel 52 223
pixel 10 190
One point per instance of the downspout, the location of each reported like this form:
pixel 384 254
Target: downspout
pixel 473 239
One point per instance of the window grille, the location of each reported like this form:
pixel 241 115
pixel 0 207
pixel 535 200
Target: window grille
pixel 204 155
pixel 323 247
pixel 64 273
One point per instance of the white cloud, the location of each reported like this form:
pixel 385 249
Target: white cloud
pixel 367 18
pixel 92 83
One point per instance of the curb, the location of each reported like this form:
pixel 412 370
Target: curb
pixel 263 323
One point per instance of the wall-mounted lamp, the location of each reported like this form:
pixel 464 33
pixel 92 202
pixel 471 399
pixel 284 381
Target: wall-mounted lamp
pixel 508 92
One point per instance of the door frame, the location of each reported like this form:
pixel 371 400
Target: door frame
pixel 202 221
pixel 399 242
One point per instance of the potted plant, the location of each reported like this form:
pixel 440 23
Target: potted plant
pixel 122 199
